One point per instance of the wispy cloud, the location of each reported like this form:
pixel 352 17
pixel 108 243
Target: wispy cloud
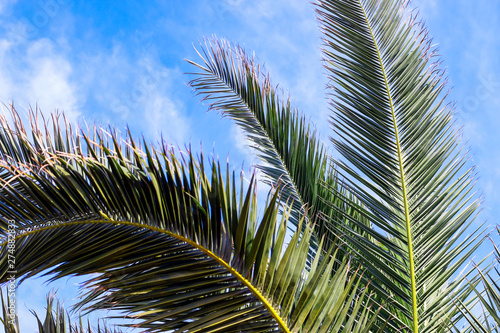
pixel 139 92
pixel 53 72
pixel 37 73
pixel 107 85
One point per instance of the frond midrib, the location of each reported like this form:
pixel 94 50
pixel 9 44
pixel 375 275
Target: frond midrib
pixel 283 164
pixel 267 304
pixel 402 173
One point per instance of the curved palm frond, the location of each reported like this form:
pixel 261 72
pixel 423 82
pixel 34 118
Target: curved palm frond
pixel 401 157
pixel 288 146
pixel 170 244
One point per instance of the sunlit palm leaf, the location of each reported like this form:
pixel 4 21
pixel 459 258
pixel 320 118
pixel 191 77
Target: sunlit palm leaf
pixel 400 156
pixel 286 143
pixel 170 244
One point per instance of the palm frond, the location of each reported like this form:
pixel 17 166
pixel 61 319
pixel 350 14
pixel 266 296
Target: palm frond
pixel 9 318
pixel 288 146
pixel 170 244
pixel 401 157
pixel 488 299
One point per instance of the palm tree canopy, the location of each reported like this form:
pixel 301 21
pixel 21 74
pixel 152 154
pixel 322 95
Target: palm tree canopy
pixel 173 247
pixel 407 196
pixel 182 250
pixel 288 146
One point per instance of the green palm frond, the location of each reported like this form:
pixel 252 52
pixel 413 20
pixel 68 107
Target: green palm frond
pixel 9 318
pixel 482 315
pixel 488 319
pixel 288 146
pixel 57 320
pixel 401 158
pixel 172 247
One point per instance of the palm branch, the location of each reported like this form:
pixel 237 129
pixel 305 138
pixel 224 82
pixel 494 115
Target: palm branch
pixel 401 158
pixel 288 146
pixel 173 247
pixel 487 299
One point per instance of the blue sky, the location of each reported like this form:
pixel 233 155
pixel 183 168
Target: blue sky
pixel 122 62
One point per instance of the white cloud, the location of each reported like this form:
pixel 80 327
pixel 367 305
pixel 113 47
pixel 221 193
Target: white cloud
pixel 48 82
pixel 37 73
pixel 137 91
pixel 155 108
pixel 50 74
pixel 241 142
pixel 42 73
pixel 163 116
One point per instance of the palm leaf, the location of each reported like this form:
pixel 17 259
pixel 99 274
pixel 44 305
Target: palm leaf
pixel 401 157
pixel 290 151
pixel 488 299
pixel 170 244
pixel 9 318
